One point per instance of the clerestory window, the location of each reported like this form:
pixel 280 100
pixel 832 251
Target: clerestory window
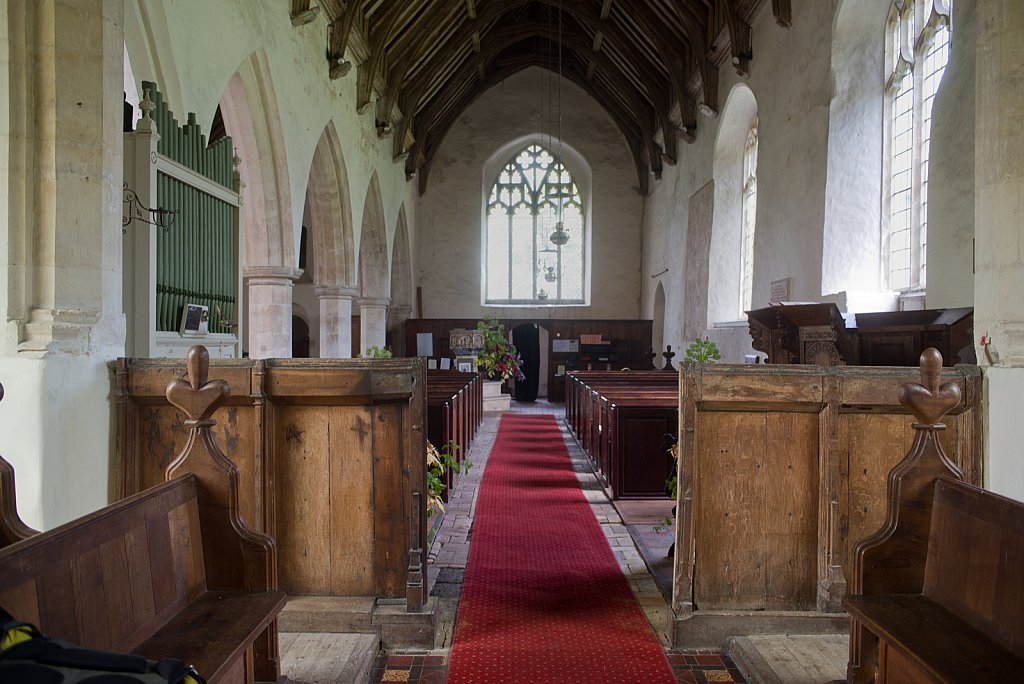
pixel 917 40
pixel 534 237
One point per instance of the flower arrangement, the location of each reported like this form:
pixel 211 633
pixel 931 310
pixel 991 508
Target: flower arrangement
pixel 499 358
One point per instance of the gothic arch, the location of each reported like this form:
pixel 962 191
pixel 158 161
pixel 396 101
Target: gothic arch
pixel 401 270
pixel 373 245
pixel 724 259
pixel 658 322
pixel 330 211
pixel 249 110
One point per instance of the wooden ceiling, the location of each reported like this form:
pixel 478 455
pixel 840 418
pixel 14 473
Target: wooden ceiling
pixel 651 64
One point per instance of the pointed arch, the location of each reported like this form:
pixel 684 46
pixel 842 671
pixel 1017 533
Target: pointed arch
pixel 658 321
pixel 270 240
pixel 251 118
pixel 330 210
pixel 725 267
pixel 401 270
pixel 373 245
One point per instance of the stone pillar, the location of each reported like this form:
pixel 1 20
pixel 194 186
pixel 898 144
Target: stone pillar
pixel 999 252
pixel 61 155
pixel 270 310
pixel 373 318
pixel 398 314
pixel 335 320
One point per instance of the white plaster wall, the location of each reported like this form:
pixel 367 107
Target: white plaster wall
pixel 57 423
pixel 790 79
pixel 448 242
pixel 1004 466
pixel 951 171
pixel 853 189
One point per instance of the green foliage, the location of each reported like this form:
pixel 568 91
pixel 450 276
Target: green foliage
pixel 376 352
pixel 672 486
pixel 702 351
pixel 439 462
pixel 498 359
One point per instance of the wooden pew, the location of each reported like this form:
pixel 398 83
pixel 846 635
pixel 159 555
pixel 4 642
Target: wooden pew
pixel 619 418
pixel 12 529
pixel 937 594
pixel 172 571
pixel 454 412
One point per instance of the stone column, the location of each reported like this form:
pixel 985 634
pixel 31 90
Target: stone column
pixel 270 310
pixel 60 215
pixel 335 320
pixel 999 234
pixel 398 314
pixel 373 318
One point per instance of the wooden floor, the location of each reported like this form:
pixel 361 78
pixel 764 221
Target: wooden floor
pixel 791 659
pixel 327 658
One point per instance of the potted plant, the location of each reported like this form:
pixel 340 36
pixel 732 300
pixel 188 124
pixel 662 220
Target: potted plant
pixel 499 359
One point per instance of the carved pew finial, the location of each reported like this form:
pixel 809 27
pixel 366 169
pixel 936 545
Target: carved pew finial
pixel 198 398
pixel 929 401
pixel 12 529
pixel 235 555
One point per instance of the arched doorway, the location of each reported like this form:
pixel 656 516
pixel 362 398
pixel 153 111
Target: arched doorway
pixel 526 338
pixel 658 323
pixel 300 338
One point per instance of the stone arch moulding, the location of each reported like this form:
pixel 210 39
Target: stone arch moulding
pixel 401 285
pixel 249 110
pixel 330 209
pixel 401 270
pixel 373 270
pixel 724 259
pixel 149 47
pixel 373 245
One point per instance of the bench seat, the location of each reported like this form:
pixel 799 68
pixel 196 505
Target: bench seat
pixel 933 639
pixel 231 621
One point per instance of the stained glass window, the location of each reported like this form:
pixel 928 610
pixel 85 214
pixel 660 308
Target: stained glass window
pixel 534 236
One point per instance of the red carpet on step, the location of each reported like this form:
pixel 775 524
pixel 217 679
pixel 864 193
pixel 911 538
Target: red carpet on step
pixel 544 599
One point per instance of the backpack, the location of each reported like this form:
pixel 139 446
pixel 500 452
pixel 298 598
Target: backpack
pixel 28 657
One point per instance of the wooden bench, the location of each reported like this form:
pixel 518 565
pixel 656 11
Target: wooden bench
pixel 619 418
pixel 172 571
pixel 937 593
pixel 454 412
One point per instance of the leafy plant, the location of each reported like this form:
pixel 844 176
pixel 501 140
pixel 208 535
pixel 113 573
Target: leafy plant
pixel 376 352
pixel 672 487
pixel 499 358
pixel 702 351
pixel 439 462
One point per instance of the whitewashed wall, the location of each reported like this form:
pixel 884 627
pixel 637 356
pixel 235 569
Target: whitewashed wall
pixel 951 176
pixel 790 80
pixel 451 211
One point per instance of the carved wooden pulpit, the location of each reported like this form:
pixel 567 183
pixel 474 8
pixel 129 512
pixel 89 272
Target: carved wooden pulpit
pixel 803 333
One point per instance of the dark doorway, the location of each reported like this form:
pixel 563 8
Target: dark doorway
pixel 300 338
pixel 526 338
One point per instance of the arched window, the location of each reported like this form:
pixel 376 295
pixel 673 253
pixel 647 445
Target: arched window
pixel 749 217
pixel 535 233
pixel 917 39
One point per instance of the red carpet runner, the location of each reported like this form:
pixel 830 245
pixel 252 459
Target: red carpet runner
pixel 544 599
